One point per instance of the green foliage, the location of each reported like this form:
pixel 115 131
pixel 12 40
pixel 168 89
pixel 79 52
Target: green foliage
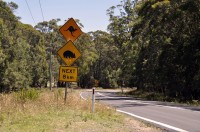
pixel 22 52
pixel 152 44
pixel 29 94
pixel 120 28
pixel 168 36
pixel 105 67
pixel 12 5
pixel 158 44
pixel 88 58
pixel 17 73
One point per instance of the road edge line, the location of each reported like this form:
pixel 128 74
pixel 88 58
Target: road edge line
pixel 82 96
pixel 152 121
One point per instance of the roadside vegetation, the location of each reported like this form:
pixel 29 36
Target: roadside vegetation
pixel 153 45
pixel 44 110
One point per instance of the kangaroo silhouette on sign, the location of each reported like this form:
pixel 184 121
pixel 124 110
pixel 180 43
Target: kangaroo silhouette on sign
pixel 72 30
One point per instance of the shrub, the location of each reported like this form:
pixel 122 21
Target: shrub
pixel 27 94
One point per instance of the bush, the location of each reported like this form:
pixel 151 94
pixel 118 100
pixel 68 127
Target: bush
pixel 27 94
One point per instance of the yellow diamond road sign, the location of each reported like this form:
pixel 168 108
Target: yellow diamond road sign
pixel 70 30
pixel 68 74
pixel 69 53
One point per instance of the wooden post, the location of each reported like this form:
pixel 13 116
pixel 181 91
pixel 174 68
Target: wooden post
pixel 50 70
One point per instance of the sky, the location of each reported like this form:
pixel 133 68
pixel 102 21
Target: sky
pixel 91 13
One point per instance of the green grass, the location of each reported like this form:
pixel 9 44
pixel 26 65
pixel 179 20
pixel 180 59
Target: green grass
pixel 47 112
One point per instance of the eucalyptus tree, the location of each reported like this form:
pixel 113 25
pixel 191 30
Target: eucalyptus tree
pixel 3 33
pixel 53 41
pixel 106 68
pixel 23 59
pixel 38 61
pixel 167 33
pixel 120 27
pixel 15 71
pixel 88 57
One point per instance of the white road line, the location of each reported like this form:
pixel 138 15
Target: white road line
pixel 146 119
pixel 140 102
pixel 82 96
pixel 152 121
pixel 111 97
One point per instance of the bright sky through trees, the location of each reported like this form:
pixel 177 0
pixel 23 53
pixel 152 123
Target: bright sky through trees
pixel 91 13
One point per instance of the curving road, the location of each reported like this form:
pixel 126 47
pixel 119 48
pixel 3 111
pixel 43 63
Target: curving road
pixel 168 116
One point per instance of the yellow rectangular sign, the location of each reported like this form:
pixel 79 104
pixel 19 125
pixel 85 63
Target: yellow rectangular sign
pixel 68 74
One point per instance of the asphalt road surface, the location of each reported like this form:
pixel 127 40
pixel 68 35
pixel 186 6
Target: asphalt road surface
pixel 168 116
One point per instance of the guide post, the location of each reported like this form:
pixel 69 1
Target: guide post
pixel 93 99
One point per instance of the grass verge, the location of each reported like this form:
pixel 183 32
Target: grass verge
pixel 45 111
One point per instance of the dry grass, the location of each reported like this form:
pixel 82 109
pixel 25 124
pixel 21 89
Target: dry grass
pixel 49 113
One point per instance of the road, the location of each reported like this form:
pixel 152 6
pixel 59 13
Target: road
pixel 168 116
